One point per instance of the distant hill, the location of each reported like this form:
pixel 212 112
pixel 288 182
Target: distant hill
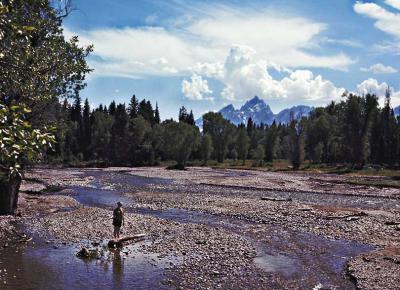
pixel 260 112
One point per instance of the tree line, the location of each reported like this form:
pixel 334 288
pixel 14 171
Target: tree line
pixel 120 134
pixel 354 131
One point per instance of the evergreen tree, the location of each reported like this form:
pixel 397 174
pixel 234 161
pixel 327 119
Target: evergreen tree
pixel 119 146
pixel 157 115
pixel 111 108
pixel 133 107
pixel 352 130
pixel 76 110
pixel 101 135
pixel 76 139
pixel 87 130
pixel 183 115
pixel 358 114
pixel 250 126
pixel 146 111
pixel 190 119
pixel 389 132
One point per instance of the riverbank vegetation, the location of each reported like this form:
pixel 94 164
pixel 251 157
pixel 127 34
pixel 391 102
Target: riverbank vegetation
pixel 352 134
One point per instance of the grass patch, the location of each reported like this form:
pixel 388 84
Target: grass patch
pixel 278 165
pixel 393 175
pixel 369 171
pixel 376 182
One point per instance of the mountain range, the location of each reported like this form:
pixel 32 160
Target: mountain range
pixel 260 112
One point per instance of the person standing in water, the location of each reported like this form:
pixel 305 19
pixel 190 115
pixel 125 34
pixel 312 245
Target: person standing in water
pixel 118 219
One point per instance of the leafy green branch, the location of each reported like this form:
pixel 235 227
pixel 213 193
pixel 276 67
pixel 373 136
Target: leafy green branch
pixel 19 141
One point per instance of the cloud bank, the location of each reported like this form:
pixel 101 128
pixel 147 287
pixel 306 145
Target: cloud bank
pixel 199 38
pixel 237 48
pixel 244 76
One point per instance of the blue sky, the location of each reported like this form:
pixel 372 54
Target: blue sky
pixel 206 54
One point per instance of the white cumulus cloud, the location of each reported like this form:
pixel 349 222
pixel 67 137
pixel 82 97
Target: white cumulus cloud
pixel 244 77
pixel 196 89
pixel 379 68
pixel 302 84
pixel 372 86
pixel 211 70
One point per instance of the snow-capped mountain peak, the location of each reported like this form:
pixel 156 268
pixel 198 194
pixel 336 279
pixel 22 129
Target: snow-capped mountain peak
pixel 397 111
pixel 260 112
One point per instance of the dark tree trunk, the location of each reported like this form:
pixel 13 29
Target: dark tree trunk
pixel 220 157
pixel 9 187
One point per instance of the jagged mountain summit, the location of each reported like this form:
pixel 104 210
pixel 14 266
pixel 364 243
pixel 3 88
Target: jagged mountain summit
pixel 255 108
pixel 298 112
pixel 260 112
pixel 397 111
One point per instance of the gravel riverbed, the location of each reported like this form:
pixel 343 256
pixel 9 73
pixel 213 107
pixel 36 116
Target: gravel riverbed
pixel 225 228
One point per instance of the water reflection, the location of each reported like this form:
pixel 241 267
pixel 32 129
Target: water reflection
pixel 117 268
pixel 44 267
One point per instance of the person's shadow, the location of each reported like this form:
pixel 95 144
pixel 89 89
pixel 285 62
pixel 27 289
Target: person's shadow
pixel 117 268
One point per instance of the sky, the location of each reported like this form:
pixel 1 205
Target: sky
pixel 207 54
